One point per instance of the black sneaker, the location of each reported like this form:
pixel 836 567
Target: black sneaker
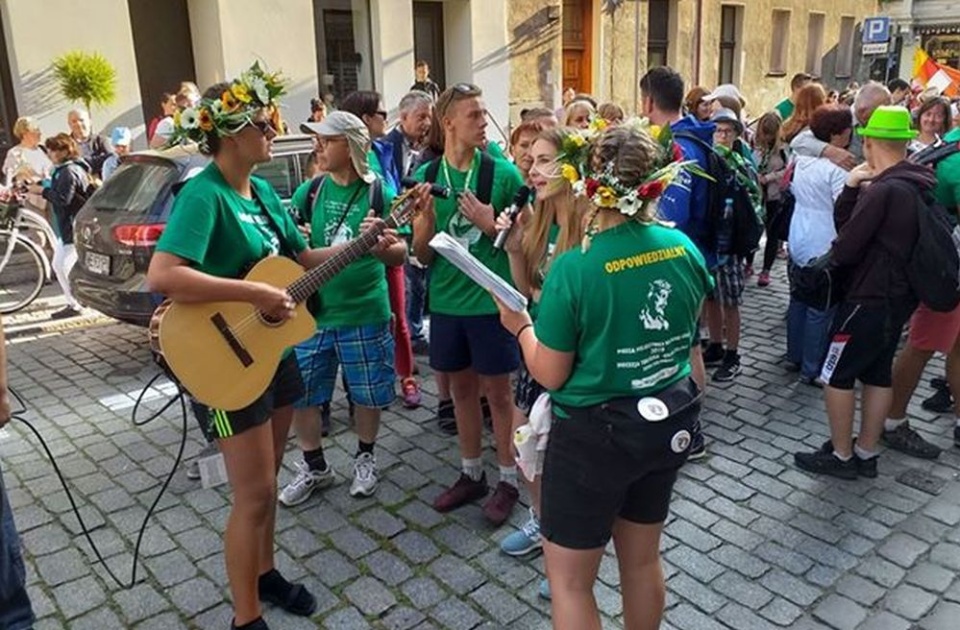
pixel 956 436
pixel 65 313
pixel 865 467
pixel 445 417
pixel 713 355
pixel 698 445
pixel 939 383
pixel 728 371
pixel 812 381
pixel 906 440
pixel 940 402
pixel 791 367
pixel 821 462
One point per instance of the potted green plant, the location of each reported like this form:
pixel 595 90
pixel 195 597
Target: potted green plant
pixel 86 77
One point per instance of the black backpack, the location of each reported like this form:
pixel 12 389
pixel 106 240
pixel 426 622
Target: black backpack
pixel 484 176
pixel 747 227
pixel 933 269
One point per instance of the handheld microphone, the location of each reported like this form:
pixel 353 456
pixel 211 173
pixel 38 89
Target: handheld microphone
pixel 435 189
pixel 519 201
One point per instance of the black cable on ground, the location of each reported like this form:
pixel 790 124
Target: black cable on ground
pixel 18 415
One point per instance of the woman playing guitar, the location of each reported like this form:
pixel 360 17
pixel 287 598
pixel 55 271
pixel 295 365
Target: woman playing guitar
pixel 222 222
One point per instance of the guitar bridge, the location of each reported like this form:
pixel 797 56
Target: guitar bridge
pixel 221 325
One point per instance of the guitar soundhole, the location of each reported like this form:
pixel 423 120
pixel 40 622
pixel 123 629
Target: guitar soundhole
pixel 269 320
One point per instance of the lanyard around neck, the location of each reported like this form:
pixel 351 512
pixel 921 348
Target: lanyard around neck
pixel 446 173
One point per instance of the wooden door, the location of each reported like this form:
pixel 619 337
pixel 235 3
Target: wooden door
pixel 428 39
pixel 577 48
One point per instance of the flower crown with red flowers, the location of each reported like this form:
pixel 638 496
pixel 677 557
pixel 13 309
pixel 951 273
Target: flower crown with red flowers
pixel 604 188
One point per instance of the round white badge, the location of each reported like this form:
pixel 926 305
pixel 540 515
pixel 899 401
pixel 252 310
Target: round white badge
pixel 652 409
pixel 680 441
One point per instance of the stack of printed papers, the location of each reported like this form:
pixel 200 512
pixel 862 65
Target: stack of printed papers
pixel 459 257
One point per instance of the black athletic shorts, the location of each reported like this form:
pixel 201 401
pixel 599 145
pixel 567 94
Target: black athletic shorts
pixel 863 342
pixel 285 389
pixel 608 462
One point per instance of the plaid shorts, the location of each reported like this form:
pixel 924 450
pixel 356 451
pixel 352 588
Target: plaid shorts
pixel 729 280
pixel 366 355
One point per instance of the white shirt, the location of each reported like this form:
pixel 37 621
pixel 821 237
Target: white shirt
pixel 165 129
pixel 26 164
pixel 817 182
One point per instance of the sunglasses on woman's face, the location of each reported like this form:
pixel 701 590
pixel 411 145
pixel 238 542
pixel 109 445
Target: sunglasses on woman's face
pixel 264 126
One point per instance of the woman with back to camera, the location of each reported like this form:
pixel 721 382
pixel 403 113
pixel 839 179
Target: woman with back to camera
pixel 616 361
pixel 554 226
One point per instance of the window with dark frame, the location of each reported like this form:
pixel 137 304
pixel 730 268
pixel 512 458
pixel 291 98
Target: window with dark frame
pixel 728 43
pixel 658 32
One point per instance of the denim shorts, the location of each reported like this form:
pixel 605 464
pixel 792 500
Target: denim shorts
pixel 472 341
pixel 366 355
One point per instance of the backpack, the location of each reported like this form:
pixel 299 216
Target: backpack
pixel 484 176
pixel 374 197
pixel 933 269
pixel 746 227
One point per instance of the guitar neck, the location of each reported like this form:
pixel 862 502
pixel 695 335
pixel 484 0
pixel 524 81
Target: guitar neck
pixel 308 283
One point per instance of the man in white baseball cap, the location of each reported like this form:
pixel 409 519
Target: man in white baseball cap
pixel 344 124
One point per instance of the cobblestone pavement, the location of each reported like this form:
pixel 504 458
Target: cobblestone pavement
pixel 753 543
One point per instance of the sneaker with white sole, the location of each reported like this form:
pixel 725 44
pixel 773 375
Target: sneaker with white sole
pixel 524 540
pixel 303 485
pixel 364 476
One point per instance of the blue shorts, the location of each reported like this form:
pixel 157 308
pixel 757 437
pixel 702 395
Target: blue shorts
pixel 366 355
pixel 475 341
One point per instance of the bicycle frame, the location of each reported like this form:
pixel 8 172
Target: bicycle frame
pixel 28 218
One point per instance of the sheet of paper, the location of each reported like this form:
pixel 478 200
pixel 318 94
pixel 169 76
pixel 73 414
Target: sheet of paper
pixel 462 259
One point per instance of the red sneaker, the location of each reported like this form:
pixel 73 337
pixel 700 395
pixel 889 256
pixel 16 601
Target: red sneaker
pixel 498 507
pixel 764 279
pixel 411 393
pixel 464 491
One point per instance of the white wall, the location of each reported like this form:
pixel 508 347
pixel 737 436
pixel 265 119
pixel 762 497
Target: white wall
pixel 392 25
pixel 37 32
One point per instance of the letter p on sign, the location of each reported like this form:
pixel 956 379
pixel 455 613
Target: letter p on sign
pixel 876 30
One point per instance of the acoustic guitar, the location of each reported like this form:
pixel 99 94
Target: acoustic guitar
pixel 226 353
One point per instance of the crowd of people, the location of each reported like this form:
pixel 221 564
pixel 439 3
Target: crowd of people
pixel 633 256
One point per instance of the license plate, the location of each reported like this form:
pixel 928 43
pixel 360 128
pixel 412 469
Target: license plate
pixel 98 263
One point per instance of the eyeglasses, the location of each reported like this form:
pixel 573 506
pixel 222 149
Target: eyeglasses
pixel 264 126
pixel 382 113
pixel 720 131
pixel 323 143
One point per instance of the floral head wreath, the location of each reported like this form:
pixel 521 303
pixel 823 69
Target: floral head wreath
pixel 604 188
pixel 254 90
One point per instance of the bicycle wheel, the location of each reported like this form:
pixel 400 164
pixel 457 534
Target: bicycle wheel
pixel 21 278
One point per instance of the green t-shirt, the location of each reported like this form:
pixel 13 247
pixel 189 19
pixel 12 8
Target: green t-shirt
pixel 947 190
pixel 356 296
pixel 222 233
pixel 785 107
pixel 627 309
pixel 451 291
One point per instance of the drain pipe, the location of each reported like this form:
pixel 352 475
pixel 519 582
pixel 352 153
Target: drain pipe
pixel 696 43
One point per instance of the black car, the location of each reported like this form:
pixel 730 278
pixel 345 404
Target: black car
pixel 117 230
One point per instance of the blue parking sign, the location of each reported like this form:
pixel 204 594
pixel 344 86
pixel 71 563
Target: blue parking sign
pixel 876 30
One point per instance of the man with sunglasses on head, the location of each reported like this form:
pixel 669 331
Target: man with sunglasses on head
pixel 467 341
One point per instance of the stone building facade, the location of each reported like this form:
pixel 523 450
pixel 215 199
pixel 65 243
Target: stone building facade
pixel 757 44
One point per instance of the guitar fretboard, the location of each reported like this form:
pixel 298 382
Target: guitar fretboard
pixel 307 284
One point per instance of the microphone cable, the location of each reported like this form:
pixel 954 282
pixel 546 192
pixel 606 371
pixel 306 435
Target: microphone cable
pixel 18 415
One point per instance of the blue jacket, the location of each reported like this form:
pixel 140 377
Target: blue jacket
pixel 389 150
pixel 684 202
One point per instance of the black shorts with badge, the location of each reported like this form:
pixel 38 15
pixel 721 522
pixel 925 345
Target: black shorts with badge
pixel 285 389
pixel 615 460
pixel 863 343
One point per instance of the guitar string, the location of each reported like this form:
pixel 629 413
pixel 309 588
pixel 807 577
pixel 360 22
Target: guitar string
pixel 247 322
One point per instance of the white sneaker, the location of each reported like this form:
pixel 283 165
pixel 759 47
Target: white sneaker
pixel 364 476
pixel 303 485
